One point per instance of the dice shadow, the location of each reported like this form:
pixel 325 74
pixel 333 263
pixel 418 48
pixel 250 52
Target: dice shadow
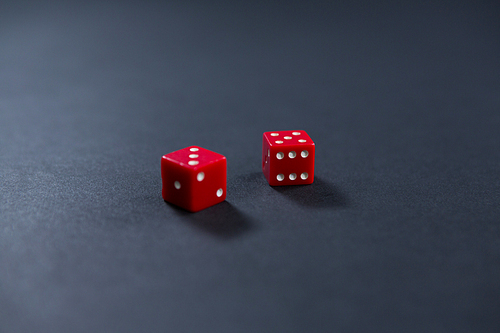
pixel 319 194
pixel 223 220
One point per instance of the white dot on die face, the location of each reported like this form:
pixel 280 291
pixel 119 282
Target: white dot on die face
pixel 268 152
pixel 293 176
pixel 296 133
pixel 279 142
pixel 280 155
pixel 288 137
pixel 177 184
pixel 302 140
pixel 193 156
pixel 304 153
pixel 304 175
pixel 280 177
pixel 200 176
pixel 274 134
pixel 193 162
pixel 219 192
pixel 194 149
pixel 292 154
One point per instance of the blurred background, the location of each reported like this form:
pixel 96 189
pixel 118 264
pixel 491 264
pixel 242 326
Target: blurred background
pixel 399 232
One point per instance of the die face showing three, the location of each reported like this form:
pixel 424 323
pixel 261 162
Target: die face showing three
pixel 194 178
pixel 288 158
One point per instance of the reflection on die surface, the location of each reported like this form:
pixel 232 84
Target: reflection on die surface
pixel 288 158
pixel 194 178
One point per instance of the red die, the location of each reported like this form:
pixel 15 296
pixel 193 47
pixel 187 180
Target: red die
pixel 194 178
pixel 288 158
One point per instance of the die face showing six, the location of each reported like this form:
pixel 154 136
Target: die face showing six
pixel 194 178
pixel 288 158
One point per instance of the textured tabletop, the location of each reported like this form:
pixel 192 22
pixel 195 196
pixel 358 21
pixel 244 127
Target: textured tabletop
pixel 400 231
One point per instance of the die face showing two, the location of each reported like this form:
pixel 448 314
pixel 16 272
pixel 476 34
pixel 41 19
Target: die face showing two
pixel 288 158
pixel 194 178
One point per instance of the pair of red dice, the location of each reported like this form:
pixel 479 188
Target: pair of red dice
pixel 195 178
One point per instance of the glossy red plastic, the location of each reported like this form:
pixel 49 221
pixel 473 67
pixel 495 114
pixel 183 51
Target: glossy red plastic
pixel 194 178
pixel 288 158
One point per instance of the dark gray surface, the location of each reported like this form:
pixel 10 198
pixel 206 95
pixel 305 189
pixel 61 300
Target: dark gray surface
pixel 400 231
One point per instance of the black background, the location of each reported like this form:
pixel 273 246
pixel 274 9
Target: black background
pixel 399 232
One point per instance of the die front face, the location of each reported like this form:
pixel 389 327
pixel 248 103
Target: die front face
pixel 288 158
pixel 194 178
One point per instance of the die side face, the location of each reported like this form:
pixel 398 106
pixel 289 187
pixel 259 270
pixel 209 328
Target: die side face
pixel 176 184
pixel 209 186
pixel 288 158
pixel 194 182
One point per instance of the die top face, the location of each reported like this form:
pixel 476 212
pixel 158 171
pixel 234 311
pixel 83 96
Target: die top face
pixel 288 138
pixel 194 157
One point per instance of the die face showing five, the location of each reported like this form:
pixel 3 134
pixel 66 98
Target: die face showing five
pixel 194 178
pixel 288 158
